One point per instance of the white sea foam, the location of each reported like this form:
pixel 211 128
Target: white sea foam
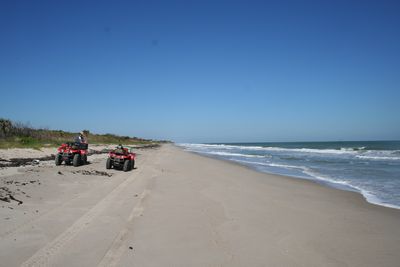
pixel 380 155
pixel 305 170
pixel 209 146
pixel 286 166
pixel 353 148
pixel 372 198
pixel 260 148
pixel 234 154
pixel 377 157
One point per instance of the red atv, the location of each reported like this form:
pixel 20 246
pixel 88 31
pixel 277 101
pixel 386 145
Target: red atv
pixel 75 153
pixel 121 158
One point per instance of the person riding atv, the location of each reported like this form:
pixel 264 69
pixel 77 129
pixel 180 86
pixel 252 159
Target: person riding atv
pixel 81 138
pixel 121 158
pixel 73 152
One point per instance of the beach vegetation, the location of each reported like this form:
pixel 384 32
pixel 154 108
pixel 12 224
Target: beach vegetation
pixel 23 135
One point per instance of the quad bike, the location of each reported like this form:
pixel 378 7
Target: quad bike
pixel 75 153
pixel 121 158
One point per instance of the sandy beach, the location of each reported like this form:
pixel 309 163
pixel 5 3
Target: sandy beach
pixel 182 209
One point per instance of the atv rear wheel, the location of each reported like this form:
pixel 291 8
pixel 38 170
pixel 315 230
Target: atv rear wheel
pixel 127 165
pixel 108 163
pixel 58 159
pixel 77 160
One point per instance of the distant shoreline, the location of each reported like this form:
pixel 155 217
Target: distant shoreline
pixel 298 160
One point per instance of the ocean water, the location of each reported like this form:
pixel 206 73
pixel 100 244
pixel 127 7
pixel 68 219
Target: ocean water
pixel 371 168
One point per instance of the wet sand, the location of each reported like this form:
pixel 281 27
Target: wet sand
pixel 182 209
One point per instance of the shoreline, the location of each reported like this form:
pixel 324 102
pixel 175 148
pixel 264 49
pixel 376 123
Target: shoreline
pixel 323 183
pixel 366 195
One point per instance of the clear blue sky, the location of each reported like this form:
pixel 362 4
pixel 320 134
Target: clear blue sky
pixel 204 71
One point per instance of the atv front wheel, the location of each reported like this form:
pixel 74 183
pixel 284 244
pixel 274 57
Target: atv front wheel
pixel 77 160
pixel 127 165
pixel 84 159
pixel 108 163
pixel 132 164
pixel 58 160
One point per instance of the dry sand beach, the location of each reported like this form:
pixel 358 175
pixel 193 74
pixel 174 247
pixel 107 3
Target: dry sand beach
pixel 181 209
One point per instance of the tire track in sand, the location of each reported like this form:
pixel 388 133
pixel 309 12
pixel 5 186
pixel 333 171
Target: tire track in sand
pixel 118 247
pixel 43 256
